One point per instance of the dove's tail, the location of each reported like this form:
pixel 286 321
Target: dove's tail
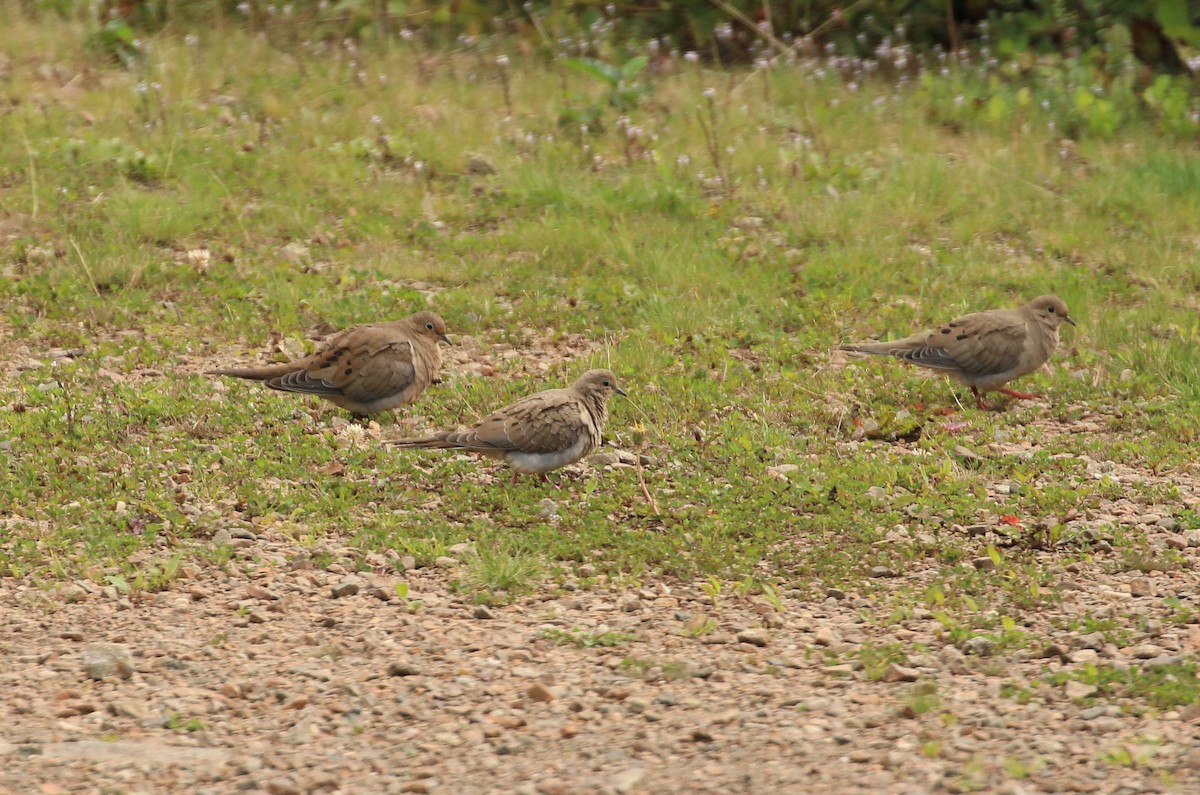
pixel 263 373
pixel 434 441
pixel 874 348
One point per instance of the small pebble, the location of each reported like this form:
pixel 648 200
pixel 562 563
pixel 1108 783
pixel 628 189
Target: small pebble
pixel 347 587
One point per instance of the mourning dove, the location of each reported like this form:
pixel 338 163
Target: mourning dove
pixel 538 433
pixel 365 369
pixel 984 350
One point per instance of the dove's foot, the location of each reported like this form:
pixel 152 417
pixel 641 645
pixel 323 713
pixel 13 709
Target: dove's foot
pixel 543 477
pixel 984 405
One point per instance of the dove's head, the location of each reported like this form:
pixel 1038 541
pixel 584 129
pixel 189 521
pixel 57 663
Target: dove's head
pixel 1051 310
pixel 601 383
pixel 431 325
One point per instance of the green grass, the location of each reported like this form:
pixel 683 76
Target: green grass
pixel 501 573
pixel 586 640
pixel 1163 687
pixel 327 192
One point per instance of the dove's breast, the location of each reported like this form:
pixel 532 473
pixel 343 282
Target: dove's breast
pixel 540 463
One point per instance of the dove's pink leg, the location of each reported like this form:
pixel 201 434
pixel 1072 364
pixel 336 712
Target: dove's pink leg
pixel 1018 395
pixel 542 477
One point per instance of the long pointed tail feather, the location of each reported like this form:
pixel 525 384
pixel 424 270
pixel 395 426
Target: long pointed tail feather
pixel 874 348
pixel 434 441
pixel 263 373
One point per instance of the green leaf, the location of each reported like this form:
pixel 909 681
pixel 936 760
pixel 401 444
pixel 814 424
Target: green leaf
pixel 1176 23
pixel 1172 15
pixel 633 66
pixel 944 619
pixel 597 69
pixel 119 30
pixel 997 107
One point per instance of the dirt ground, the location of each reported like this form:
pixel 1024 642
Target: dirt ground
pixel 277 676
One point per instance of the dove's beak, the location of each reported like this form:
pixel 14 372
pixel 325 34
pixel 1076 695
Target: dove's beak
pixel 448 341
pixel 1069 319
pixel 620 391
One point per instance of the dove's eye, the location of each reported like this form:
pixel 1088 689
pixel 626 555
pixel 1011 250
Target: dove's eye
pixel 606 383
pixel 1050 309
pixel 430 325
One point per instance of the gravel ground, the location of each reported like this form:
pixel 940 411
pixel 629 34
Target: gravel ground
pixel 280 677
